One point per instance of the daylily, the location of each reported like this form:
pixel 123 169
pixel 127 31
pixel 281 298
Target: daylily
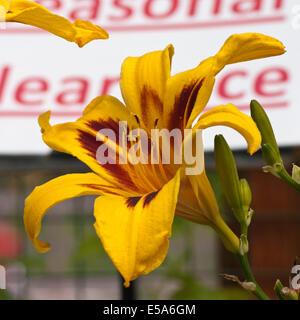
pixel 31 13
pixel 135 212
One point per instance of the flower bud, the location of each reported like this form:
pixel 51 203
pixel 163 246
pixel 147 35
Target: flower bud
pixel 244 246
pixel 269 154
pixel 249 217
pixel 296 173
pixel 278 287
pixel 289 294
pixel 250 286
pixel 228 174
pixel 270 148
pixel 245 194
pixel 285 293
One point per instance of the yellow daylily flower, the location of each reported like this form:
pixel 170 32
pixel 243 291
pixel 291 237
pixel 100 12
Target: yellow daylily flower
pixel 138 202
pixel 31 13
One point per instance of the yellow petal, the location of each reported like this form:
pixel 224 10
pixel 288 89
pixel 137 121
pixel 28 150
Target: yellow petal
pixel 143 84
pixel 188 92
pixel 194 207
pixel 79 139
pixel 5 4
pixel 31 13
pixel 230 116
pixel 86 32
pixel 57 190
pixel 245 47
pixel 135 232
pixel 207 203
pixel 197 203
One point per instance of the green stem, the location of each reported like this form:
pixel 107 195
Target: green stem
pixel 244 228
pixel 258 292
pixel 283 174
pixel 278 288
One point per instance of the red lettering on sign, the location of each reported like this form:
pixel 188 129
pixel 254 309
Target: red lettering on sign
pixel 89 12
pixel 217 7
pixel 3 80
pixel 278 4
pixel 270 78
pixel 224 84
pixel 73 96
pixel 31 86
pixel 108 83
pixel 148 9
pixel 267 83
pixel 127 11
pixel 193 7
pixel 50 4
pixel 247 6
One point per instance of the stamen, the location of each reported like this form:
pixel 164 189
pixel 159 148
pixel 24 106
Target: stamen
pixel 142 169
pixel 137 119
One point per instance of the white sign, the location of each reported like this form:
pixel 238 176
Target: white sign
pixel 40 72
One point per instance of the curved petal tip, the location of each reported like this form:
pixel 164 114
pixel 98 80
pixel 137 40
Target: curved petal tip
pixel 44 121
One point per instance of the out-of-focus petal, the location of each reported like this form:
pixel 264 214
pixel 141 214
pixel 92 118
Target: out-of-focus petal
pixel 31 13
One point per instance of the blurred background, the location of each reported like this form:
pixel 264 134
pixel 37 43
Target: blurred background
pixel 40 72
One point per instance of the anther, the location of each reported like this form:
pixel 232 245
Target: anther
pixel 137 119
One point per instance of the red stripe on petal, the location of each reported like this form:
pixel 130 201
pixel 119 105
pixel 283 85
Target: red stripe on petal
pixel 180 105
pixel 89 143
pixel 149 197
pixel 193 98
pixel 149 100
pixel 132 201
pixel 99 187
pixel 111 124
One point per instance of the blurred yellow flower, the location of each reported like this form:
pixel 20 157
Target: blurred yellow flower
pixel 31 13
pixel 135 212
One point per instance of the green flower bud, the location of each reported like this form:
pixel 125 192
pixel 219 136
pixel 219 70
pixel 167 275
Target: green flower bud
pixel 270 148
pixel 227 171
pixel 245 194
pixel 250 286
pixel 296 173
pixel 228 174
pixel 270 155
pixel 285 293
pixel 278 287
pixel 244 245
pixel 289 294
pixel 249 217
